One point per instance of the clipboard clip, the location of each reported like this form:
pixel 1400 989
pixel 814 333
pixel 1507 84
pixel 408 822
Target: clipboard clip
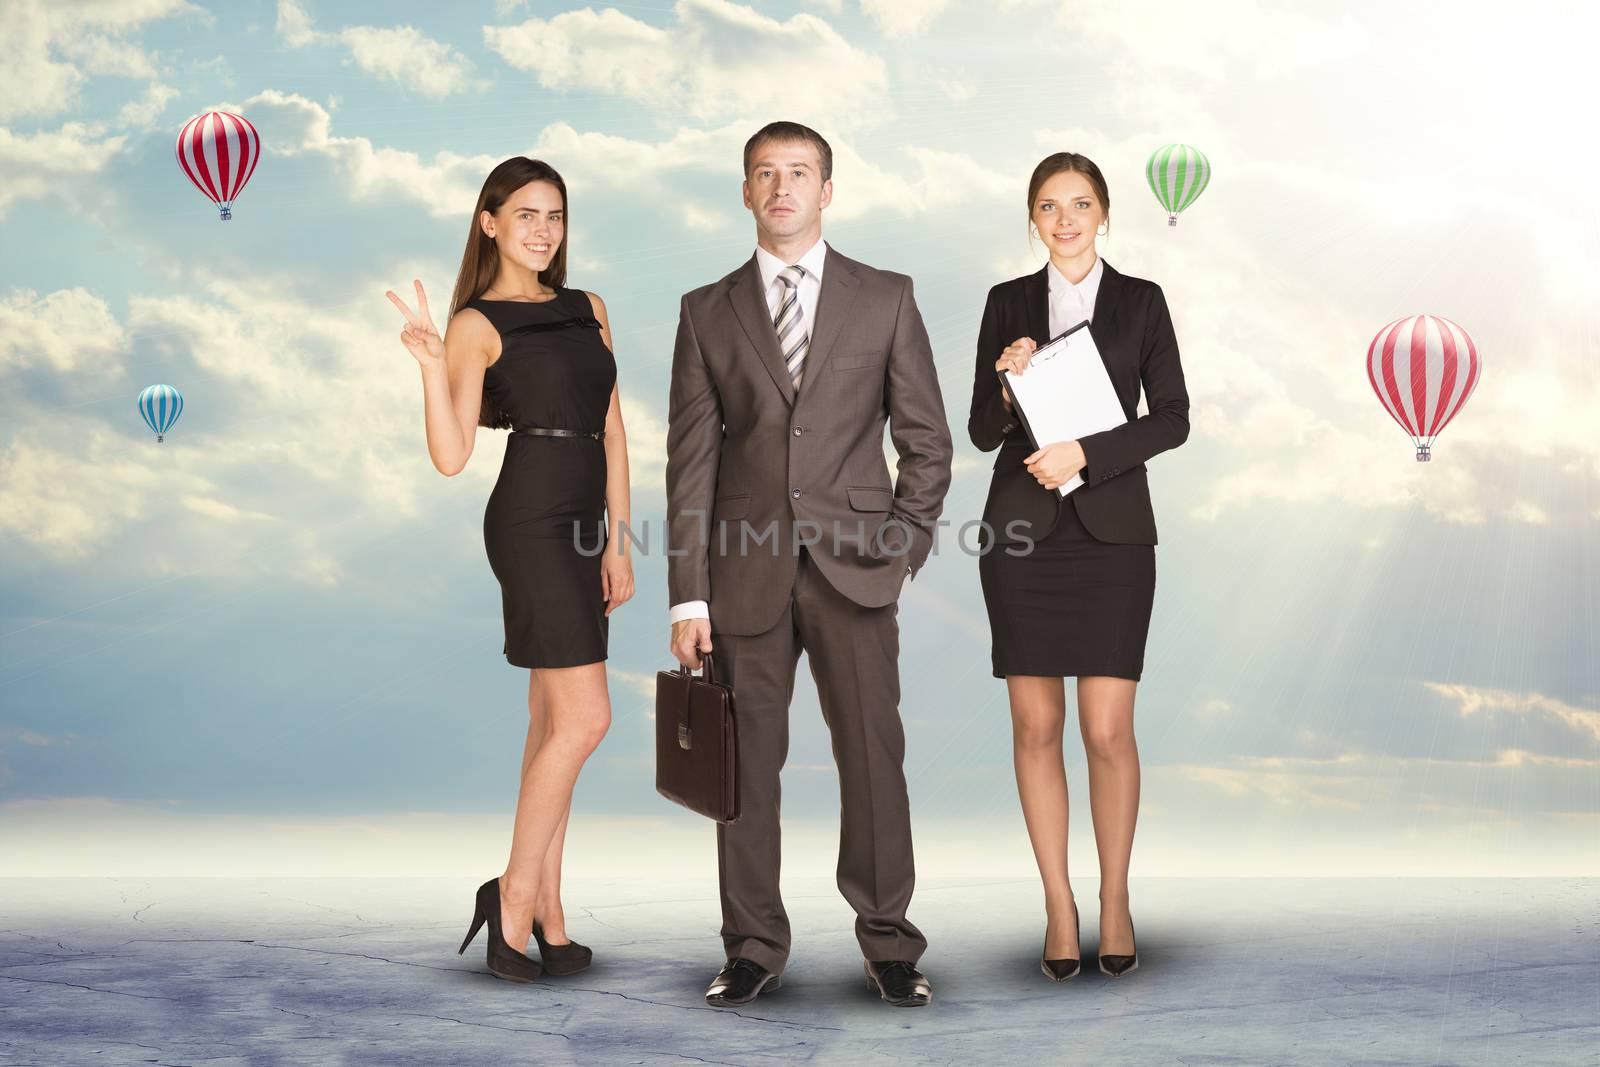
pixel 1069 331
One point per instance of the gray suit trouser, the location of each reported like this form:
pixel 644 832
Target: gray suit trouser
pixel 854 655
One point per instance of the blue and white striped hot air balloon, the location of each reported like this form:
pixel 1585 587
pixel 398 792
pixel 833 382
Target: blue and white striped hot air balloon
pixel 160 405
pixel 1177 173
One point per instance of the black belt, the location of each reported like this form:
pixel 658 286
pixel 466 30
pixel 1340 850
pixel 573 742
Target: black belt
pixel 539 431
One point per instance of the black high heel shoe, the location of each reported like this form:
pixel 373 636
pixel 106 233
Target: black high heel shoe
pixel 562 959
pixel 1061 970
pixel 1117 966
pixel 503 960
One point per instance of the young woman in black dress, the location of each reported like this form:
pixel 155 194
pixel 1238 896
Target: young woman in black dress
pixel 524 353
pixel 1069 582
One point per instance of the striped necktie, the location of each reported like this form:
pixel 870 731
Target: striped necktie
pixel 792 336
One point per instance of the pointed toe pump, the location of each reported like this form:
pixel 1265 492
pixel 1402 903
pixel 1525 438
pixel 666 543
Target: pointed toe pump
pixel 1061 970
pixel 503 960
pixel 1117 966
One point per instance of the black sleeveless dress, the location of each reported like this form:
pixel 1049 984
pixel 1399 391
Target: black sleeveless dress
pixel 545 525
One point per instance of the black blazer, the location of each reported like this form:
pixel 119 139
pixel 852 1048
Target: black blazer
pixel 1133 331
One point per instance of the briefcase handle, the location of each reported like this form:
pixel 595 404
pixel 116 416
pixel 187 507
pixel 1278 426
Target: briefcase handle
pixel 709 674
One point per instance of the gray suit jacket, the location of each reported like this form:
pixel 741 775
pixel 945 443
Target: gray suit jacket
pixel 753 470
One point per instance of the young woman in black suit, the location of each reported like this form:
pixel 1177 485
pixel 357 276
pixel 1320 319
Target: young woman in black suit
pixel 1069 582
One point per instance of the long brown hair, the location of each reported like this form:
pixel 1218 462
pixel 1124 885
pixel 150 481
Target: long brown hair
pixel 481 261
pixel 1062 163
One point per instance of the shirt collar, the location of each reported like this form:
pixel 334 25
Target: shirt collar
pixel 1086 289
pixel 770 265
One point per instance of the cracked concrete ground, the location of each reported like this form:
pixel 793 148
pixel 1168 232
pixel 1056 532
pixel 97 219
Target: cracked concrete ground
pixel 1270 971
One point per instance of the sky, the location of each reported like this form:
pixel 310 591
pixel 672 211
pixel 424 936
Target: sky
pixel 274 638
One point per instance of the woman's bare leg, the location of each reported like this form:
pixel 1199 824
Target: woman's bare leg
pixel 547 911
pixel 1105 715
pixel 579 710
pixel 1038 713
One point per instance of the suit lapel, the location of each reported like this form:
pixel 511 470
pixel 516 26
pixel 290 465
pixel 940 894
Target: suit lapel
pixel 750 307
pixel 1036 298
pixel 1107 301
pixel 839 288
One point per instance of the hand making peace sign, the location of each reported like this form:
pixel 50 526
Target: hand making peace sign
pixel 420 337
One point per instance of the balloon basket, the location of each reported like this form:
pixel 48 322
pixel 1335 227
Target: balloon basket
pixel 1424 453
pixel 1172 220
pixel 227 213
pixel 160 437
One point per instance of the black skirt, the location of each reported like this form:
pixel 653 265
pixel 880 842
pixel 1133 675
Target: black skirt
pixel 1072 606
pixel 543 530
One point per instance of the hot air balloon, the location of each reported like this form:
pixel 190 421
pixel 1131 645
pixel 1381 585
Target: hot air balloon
pixel 1177 173
pixel 160 405
pixel 219 151
pixel 1423 368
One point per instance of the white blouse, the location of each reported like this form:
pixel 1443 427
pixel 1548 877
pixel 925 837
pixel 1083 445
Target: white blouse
pixel 1071 304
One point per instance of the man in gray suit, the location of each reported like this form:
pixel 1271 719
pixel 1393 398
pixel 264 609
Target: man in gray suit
pixel 785 533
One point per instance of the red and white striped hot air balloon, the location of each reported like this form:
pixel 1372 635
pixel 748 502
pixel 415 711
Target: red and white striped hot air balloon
pixel 1423 368
pixel 219 151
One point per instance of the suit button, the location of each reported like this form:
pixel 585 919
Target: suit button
pixel 797 431
pixel 795 493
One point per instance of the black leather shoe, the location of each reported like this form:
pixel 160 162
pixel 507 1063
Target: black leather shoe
pixel 1061 970
pixel 740 982
pixel 899 983
pixel 568 958
pixel 502 960
pixel 1117 966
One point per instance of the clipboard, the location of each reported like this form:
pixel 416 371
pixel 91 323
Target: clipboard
pixel 1066 394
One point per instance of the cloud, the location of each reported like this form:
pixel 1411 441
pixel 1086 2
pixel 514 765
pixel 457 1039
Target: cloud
pixel 1313 783
pixel 903 18
pixel 295 420
pixel 32 738
pixel 144 110
pixel 1476 700
pixel 66 491
pixel 24 736
pixel 446 185
pixel 65 164
pixel 1528 512
pixel 937 179
pixel 638 685
pixel 401 54
pixel 717 62
pixel 606 161
pixel 66 330
pixel 1357 781
pixel 50 50
pixel 594 164
pixel 53 163
pixel 913 18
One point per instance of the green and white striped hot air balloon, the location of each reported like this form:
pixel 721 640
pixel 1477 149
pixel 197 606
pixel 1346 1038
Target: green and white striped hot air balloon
pixel 1177 174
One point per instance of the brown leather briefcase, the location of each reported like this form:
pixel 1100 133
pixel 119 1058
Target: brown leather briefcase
pixel 697 742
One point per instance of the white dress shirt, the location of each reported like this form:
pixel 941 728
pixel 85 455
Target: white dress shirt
pixel 810 285
pixel 1071 304
pixel 810 288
